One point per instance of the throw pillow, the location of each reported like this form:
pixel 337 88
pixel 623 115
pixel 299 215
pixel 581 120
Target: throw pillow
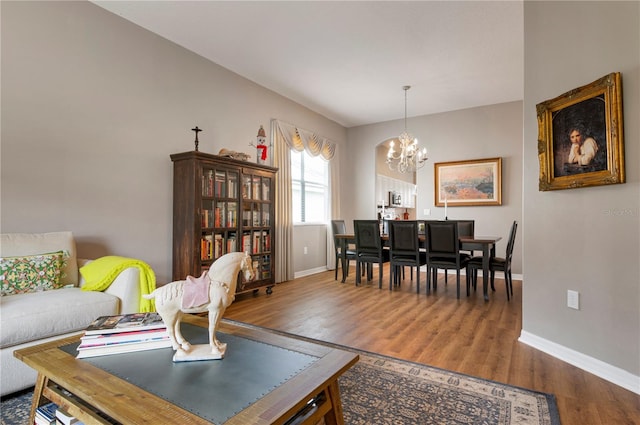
pixel 19 275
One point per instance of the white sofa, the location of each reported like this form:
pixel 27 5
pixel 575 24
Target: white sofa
pixel 28 319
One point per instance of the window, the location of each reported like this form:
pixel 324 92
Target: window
pixel 310 181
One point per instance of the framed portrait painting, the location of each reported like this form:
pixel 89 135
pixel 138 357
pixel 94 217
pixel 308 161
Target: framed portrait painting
pixel 580 136
pixel 468 183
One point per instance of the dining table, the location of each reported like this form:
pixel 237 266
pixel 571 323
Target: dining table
pixel 486 244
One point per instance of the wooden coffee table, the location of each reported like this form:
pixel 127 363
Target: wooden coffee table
pixel 89 392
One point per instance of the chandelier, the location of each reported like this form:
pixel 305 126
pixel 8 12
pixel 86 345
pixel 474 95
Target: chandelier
pixel 409 157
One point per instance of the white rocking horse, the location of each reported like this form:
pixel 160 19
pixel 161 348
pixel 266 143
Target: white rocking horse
pixel 214 291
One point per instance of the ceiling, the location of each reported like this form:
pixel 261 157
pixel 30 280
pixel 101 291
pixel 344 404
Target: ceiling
pixel 348 60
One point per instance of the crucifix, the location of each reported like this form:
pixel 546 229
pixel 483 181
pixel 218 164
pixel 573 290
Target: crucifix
pixel 196 130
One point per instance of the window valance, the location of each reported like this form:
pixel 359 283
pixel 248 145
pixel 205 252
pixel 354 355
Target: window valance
pixel 300 139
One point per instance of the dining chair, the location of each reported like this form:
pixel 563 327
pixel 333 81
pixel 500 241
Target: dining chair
pixel 404 250
pixel 339 227
pixel 443 252
pixel 369 248
pixel 497 264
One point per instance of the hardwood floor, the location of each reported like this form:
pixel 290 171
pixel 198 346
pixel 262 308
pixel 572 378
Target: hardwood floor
pixel 466 335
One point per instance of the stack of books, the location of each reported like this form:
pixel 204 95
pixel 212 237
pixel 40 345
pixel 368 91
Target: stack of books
pixel 46 414
pixel 123 333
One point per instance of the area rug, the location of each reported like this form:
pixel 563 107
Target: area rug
pixel 381 390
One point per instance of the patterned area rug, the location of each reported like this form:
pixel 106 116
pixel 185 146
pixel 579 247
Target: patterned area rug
pixel 382 390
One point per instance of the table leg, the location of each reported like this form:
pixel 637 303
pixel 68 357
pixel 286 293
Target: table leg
pixel 334 416
pixel 485 271
pixel 38 399
pixel 343 258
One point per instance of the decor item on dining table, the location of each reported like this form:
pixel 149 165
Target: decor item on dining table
pixel 468 183
pixel 581 136
pixel 212 292
pixel 409 157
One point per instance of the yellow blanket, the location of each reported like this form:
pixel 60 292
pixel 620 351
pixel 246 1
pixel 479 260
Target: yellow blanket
pixel 99 274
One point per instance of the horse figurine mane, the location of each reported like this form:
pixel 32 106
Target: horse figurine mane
pixel 221 280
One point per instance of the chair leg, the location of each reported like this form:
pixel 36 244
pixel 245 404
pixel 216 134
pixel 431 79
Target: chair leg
pixel 493 276
pixel 511 282
pixel 434 271
pixel 336 274
pixel 468 282
pixel 358 276
pixel 457 283
pixel 379 275
pixel 506 285
pixel 392 276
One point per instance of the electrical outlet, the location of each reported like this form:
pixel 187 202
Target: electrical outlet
pixel 305 251
pixel 427 211
pixel 573 299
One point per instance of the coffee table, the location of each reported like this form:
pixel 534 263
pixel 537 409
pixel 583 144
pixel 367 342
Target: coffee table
pixel 90 392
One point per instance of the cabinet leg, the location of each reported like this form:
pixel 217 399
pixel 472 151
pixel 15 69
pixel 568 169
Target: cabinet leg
pixel 269 290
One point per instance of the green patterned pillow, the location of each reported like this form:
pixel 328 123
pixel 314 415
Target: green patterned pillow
pixel 19 275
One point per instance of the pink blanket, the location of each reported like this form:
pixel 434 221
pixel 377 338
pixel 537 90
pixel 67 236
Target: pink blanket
pixel 196 291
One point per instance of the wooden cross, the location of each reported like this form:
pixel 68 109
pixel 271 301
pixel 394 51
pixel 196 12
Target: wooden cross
pixel 197 130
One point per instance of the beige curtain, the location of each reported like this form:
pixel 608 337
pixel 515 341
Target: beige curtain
pixel 287 137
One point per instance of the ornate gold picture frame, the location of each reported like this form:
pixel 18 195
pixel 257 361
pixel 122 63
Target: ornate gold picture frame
pixel 468 183
pixel 580 136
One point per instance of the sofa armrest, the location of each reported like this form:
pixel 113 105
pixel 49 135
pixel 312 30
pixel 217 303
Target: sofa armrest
pixel 125 287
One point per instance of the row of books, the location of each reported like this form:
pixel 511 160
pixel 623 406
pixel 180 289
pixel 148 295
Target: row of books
pixel 255 218
pixel 123 333
pixel 224 215
pixel 215 246
pixel 251 189
pixel 51 414
pixel 256 242
pixel 221 184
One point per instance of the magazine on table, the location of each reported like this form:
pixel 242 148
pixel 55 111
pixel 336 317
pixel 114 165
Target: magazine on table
pixel 123 348
pixel 125 323
pixel 103 340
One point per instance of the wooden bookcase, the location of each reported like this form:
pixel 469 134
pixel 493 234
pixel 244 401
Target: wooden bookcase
pixel 222 205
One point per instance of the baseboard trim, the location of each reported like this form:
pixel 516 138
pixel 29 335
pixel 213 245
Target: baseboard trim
pixel 304 273
pixel 597 367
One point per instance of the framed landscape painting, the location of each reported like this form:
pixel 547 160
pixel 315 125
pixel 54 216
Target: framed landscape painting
pixel 468 183
pixel 580 136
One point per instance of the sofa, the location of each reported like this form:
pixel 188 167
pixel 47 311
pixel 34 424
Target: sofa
pixel 47 301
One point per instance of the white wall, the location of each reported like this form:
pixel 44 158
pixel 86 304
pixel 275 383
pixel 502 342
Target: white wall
pixel 484 132
pixel 585 239
pixel 92 107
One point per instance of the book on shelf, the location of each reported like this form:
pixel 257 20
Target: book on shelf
pixel 231 242
pixel 123 348
pixel 125 323
pixel 246 242
pixel 64 418
pixel 46 414
pixel 206 247
pixel 219 246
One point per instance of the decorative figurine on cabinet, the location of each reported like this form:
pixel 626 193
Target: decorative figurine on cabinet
pixel 214 291
pixel 262 149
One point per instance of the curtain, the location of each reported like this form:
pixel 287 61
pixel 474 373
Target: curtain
pixel 287 137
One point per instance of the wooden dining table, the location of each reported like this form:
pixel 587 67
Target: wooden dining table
pixel 486 244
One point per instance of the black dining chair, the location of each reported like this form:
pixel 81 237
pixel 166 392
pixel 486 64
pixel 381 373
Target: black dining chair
pixel 404 250
pixel 497 264
pixel 369 248
pixel 443 251
pixel 339 227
